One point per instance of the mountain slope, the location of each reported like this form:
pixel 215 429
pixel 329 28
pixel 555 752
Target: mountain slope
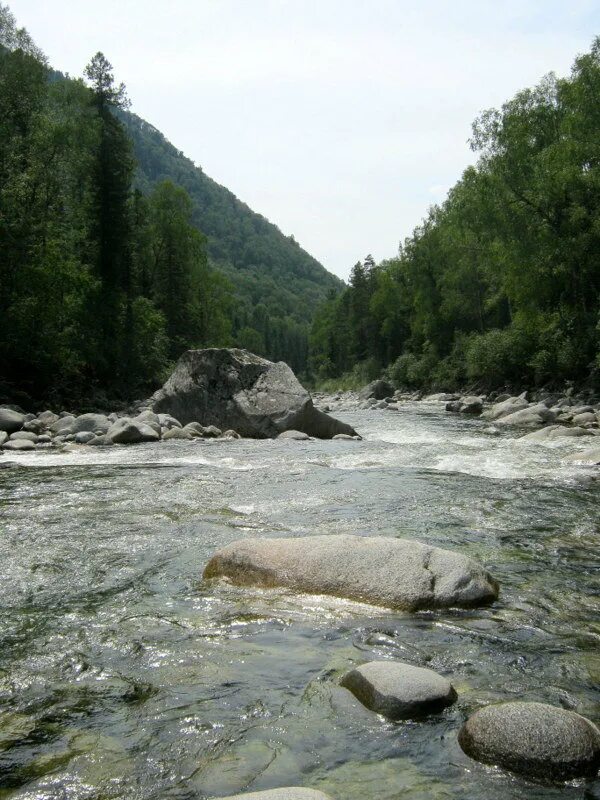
pixel 265 266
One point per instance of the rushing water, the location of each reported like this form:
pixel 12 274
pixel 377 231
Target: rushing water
pixel 124 675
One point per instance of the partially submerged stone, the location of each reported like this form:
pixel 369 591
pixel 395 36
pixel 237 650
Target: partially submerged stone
pixel 11 421
pixel 285 793
pixel 298 436
pixel 554 432
pixel 399 691
pixel 396 573
pixel 18 444
pixel 533 739
pixel 128 431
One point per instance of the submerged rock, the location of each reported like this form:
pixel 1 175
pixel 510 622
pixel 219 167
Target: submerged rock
pixel 586 457
pixel 18 444
pixel 235 389
pixel 285 793
pixel 378 390
pixel 533 416
pixel 299 436
pixel 399 691
pixel 553 432
pixel 397 573
pixel 533 739
pixel 177 433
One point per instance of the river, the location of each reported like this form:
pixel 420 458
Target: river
pixel 124 675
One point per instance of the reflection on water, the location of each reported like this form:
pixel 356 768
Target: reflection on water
pixel 123 675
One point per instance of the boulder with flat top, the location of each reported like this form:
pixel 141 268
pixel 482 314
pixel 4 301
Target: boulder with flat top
pixel 396 573
pixel 235 389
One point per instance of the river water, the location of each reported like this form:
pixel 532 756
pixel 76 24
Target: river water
pixel 124 675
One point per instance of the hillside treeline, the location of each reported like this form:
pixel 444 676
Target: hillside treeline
pixel 501 283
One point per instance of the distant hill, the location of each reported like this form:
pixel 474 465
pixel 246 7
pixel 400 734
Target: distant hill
pixel 278 285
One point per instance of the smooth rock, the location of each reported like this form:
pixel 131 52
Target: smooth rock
pixel 533 416
pixel 176 433
pixel 230 435
pixel 553 432
pixel 44 438
pixel 100 441
pixel 399 691
pixel 11 421
pixel 285 793
pixel 34 426
pixel 19 444
pixel 583 418
pixel 3 437
pixel 506 407
pixel 26 436
pixel 533 739
pixel 235 389
pixel 89 422
pixel 345 436
pixel 126 431
pixel 585 457
pixel 83 437
pixel 47 418
pixel 299 436
pixel 63 424
pixel 397 573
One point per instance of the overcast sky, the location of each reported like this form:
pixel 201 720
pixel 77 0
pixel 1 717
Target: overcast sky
pixel 341 121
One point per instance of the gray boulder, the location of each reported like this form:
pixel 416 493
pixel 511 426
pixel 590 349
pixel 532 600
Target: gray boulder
pixel 24 435
pixel 506 407
pixel 378 390
pixel 177 433
pixel 285 793
pixel 533 739
pixel 399 691
pixel 3 437
pixel 148 418
pixel 89 422
pixel 554 432
pixel 168 422
pixel 235 389
pixel 100 441
pixel 11 421
pixel 34 426
pixel 583 418
pixel 397 573
pixel 587 457
pixel 19 444
pixel 47 418
pixel 530 417
pixel 83 437
pixel 469 404
pixel 63 425
pixel 230 434
pixel 127 431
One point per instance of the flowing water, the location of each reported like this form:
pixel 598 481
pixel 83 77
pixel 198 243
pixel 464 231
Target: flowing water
pixel 124 675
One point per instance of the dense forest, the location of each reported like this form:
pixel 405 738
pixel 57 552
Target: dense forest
pixel 500 285
pixel 105 277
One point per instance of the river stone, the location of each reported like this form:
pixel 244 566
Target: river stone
pixel 26 436
pixel 176 433
pixel 90 422
pixel 3 437
pixel 583 418
pixel 99 441
pixel 63 425
pixel 396 573
pixel 553 432
pixel 235 389
pixel 506 407
pixel 126 431
pixel 83 437
pixel 285 793
pixel 47 418
pixel 587 457
pixel 230 435
pixel 399 691
pixel 19 444
pixel 34 426
pixel 299 436
pixel 168 422
pixel 377 390
pixel 532 416
pixel 533 739
pixel 11 421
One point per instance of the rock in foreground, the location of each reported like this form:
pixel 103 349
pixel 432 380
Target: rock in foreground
pixel 238 390
pixel 396 573
pixel 399 691
pixel 285 793
pixel 533 739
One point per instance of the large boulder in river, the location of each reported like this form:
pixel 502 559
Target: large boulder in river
pixel 397 573
pixel 232 388
pixel 508 406
pixel 399 691
pixel 533 739
pixel 11 421
pixel 131 431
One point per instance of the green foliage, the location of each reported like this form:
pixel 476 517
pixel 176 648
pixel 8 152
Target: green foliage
pixel 502 282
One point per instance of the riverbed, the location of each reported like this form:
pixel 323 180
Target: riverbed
pixel 124 675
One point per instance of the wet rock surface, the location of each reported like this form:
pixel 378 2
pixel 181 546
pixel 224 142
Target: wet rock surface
pixel 533 739
pixel 397 573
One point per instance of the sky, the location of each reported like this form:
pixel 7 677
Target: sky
pixel 342 121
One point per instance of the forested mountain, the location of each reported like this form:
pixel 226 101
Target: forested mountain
pixel 277 284
pixel 501 283
pixel 105 275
